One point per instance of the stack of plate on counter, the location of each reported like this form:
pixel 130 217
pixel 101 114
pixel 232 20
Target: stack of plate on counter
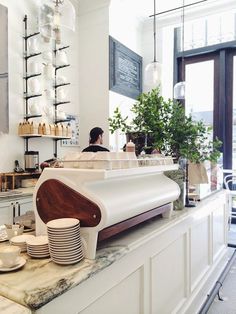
pixel 21 241
pixel 37 247
pixel 64 241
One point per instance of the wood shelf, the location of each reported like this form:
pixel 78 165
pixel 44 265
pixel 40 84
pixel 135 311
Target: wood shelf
pixel 10 178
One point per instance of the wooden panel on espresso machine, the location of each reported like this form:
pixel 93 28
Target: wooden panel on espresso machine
pixel 56 200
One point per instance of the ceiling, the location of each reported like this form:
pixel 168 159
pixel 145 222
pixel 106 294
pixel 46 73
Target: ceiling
pixel 145 8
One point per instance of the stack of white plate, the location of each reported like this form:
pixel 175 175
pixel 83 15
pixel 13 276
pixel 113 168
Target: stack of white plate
pixel 64 241
pixel 38 247
pixel 20 241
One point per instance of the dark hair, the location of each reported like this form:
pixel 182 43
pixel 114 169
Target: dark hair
pixel 94 134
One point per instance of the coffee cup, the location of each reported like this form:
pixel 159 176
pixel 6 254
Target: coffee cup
pixel 61 94
pixel 49 71
pixel 34 85
pixel 34 68
pixel 61 79
pixel 50 94
pixel 33 45
pixel 61 57
pixel 47 56
pixel 9 255
pixel 34 108
pixel 14 230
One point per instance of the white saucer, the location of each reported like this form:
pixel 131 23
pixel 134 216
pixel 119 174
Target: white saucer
pixel 63 223
pixel 20 262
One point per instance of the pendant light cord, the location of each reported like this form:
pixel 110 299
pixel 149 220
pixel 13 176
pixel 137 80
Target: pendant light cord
pixel 182 74
pixel 154 33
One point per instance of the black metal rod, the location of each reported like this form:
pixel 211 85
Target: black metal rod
pixel 154 34
pixel 215 290
pixel 177 8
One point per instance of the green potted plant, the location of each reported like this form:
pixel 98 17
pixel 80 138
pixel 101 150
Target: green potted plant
pixel 170 131
pixel 164 126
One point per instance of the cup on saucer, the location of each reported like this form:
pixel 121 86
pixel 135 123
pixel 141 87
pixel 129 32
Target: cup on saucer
pixel 9 255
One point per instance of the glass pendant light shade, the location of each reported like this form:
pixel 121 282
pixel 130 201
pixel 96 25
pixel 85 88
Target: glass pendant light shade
pixel 54 15
pixel 152 74
pixel 179 90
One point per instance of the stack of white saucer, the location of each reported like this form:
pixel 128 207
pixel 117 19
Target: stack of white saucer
pixel 64 241
pixel 38 247
pixel 21 241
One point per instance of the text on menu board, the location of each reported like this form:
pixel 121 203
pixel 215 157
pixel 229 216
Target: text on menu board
pixel 125 70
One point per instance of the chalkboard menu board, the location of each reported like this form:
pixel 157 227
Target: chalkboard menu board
pixel 125 70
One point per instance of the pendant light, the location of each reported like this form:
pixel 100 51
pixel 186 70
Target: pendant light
pixel 152 73
pixel 179 88
pixel 55 15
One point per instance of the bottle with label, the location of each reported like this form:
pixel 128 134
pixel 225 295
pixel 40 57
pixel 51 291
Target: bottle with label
pixel 130 147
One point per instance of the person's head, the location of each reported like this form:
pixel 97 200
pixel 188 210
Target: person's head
pixel 95 136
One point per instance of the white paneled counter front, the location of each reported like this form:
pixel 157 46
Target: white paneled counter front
pixel 160 267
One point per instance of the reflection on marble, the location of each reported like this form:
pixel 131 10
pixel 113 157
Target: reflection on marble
pixel 9 307
pixel 41 280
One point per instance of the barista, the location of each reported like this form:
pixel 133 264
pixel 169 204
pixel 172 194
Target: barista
pixel 96 141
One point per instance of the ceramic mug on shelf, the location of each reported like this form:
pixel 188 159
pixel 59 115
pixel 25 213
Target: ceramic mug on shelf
pixel 61 58
pixel 49 71
pixel 61 79
pixel 34 85
pixel 34 68
pixel 61 94
pixel 50 94
pixel 32 45
pixel 47 56
pixel 34 108
pixel 61 115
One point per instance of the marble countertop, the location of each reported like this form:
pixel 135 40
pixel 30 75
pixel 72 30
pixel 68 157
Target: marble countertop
pixel 16 194
pixel 41 280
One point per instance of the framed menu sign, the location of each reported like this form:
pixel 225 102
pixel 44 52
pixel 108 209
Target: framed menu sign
pixel 125 70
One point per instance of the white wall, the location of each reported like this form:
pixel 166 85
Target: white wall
pixel 125 27
pixel 12 146
pixel 93 68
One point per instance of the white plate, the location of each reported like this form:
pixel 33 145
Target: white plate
pixel 38 241
pixel 64 230
pixel 63 223
pixel 20 262
pixel 65 254
pixel 67 262
pixel 22 238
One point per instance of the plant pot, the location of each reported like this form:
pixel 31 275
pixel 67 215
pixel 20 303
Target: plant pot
pixel 178 176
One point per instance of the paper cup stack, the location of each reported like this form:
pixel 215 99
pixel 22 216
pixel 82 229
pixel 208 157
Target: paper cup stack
pixel 38 247
pixel 21 241
pixel 65 245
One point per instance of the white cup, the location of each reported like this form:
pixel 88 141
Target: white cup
pixel 61 79
pixel 49 71
pixel 47 56
pixel 50 94
pixel 33 45
pixel 15 230
pixel 61 94
pixel 34 108
pixel 61 57
pixel 34 86
pixel 34 67
pixel 9 255
pixel 61 115
pixel 49 111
